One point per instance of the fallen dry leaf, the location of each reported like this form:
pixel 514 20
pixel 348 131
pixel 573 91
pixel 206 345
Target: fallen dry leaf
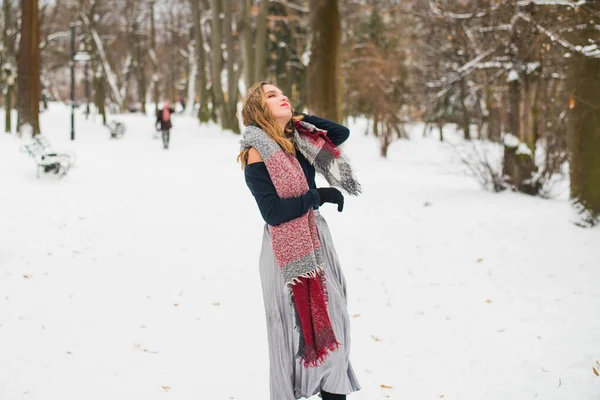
pixel 139 346
pixel 375 338
pixel 167 388
pixel 488 301
pixel 441 395
pixel 386 386
pixel 595 371
pixel 356 316
pixel 25 276
pixel 479 260
pixel 175 305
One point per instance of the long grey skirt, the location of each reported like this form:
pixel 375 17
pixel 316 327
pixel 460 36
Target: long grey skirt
pixel 289 379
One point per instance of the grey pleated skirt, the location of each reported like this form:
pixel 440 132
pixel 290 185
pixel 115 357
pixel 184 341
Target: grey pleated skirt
pixel 289 380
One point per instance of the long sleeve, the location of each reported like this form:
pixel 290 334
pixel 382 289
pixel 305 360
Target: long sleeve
pixel 337 133
pixel 273 209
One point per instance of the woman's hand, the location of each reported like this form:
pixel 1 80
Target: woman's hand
pixel 331 195
pixel 297 116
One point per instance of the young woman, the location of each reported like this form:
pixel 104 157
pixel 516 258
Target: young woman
pixel 304 289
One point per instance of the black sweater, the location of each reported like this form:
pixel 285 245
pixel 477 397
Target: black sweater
pixel 275 210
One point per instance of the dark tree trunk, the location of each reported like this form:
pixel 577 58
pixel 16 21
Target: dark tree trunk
pixel 246 45
pixel 465 120
pixel 203 112
pixel 216 33
pixel 230 105
pixel 28 78
pixel 261 42
pixel 514 98
pixel 324 66
pixel 584 143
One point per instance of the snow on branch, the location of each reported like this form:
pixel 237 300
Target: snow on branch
pixel 110 77
pixel 568 3
pixel 292 6
pixel 53 36
pixel 459 74
pixel 587 51
pixel 485 29
pixel 436 10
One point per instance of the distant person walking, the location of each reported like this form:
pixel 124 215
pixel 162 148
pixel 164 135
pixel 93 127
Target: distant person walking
pixel 304 289
pixel 163 122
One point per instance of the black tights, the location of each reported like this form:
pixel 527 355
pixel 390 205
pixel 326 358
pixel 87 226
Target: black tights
pixel 331 396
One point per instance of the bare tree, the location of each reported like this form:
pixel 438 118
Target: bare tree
pixel 197 14
pixel 324 66
pixel 261 41
pixel 28 78
pixel 246 41
pixel 585 129
pixel 216 33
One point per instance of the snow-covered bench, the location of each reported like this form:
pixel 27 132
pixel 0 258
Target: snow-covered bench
pixel 116 128
pixel 47 159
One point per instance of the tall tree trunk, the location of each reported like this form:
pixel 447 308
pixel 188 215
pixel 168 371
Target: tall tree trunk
pixel 203 112
pixel 231 104
pixel 246 37
pixel 10 83
pixel 191 81
pixel 107 71
pixel 6 56
pixel 141 73
pixel 28 78
pixel 100 94
pixel 324 66
pixel 529 94
pixel 465 120
pixel 261 42
pixel 153 59
pixel 584 144
pixel 216 33
pixel 514 98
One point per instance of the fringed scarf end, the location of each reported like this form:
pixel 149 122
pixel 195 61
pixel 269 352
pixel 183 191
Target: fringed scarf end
pixel 321 356
pixel 318 271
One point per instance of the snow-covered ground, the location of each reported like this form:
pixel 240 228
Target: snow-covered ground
pixel 136 276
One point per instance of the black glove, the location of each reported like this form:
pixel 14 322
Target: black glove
pixel 331 195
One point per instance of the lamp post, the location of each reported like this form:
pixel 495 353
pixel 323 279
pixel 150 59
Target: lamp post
pixel 10 82
pixel 72 81
pixel 86 79
pixel 80 56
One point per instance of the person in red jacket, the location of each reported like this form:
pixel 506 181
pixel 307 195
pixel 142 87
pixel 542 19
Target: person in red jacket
pixel 163 123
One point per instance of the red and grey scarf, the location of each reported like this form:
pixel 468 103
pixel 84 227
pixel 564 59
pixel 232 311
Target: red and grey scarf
pixel 296 243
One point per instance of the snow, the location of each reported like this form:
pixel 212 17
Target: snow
pixel 524 149
pixel 512 76
pixel 568 3
pixel 532 67
pixel 136 276
pixel 511 140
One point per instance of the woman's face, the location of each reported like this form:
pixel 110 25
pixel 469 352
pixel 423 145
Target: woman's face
pixel 277 103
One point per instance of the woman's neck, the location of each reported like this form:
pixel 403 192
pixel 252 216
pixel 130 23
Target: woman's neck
pixel 282 126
